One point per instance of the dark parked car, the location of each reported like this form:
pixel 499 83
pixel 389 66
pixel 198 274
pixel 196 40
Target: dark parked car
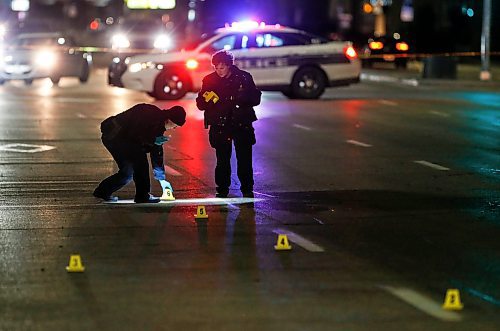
pixel 386 49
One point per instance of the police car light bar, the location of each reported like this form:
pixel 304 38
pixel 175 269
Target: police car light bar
pixel 248 25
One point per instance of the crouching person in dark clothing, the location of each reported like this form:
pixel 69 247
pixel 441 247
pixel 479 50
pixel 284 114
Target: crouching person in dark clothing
pixel 228 96
pixel 129 136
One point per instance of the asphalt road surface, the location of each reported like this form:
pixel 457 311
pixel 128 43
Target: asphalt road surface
pixel 389 195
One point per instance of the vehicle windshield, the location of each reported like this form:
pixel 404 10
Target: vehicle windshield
pixel 191 45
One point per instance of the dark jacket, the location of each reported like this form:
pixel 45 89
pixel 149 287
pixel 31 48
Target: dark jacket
pixel 237 97
pixel 140 124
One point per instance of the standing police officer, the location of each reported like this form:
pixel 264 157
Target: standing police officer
pixel 129 136
pixel 228 96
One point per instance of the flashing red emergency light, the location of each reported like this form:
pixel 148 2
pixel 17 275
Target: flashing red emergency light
pixel 402 46
pixel 350 52
pixel 192 64
pixel 376 45
pixel 94 25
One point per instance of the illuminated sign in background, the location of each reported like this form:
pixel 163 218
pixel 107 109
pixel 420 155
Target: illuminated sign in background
pixel 150 4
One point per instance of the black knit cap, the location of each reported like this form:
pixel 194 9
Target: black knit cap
pixel 177 114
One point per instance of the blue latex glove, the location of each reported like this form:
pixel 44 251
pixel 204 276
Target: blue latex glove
pixel 160 140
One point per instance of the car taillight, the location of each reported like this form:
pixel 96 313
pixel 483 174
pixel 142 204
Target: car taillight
pixel 192 64
pixel 350 52
pixel 376 45
pixel 402 47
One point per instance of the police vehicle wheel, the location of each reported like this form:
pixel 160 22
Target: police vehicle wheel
pixel 308 83
pixel 28 81
pixel 84 75
pixel 289 94
pixel 55 80
pixel 170 85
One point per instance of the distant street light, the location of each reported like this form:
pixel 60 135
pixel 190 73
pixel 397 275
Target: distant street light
pixel 20 5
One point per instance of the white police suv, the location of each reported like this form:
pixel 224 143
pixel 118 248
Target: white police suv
pixel 298 64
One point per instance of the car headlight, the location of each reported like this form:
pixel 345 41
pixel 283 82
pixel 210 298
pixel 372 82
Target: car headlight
pixel 136 67
pixel 162 42
pixel 45 58
pixel 120 41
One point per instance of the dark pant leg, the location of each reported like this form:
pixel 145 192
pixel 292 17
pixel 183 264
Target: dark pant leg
pixel 141 175
pixel 122 157
pixel 223 168
pixel 245 170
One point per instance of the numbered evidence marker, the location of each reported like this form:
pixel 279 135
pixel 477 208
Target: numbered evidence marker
pixel 75 264
pixel 167 195
pixel 452 300
pixel 211 95
pixel 201 212
pixel 282 244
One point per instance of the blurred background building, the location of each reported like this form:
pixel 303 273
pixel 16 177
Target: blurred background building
pixel 431 26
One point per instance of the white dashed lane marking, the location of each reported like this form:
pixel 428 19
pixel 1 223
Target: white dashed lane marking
pixel 439 113
pixel 423 303
pixel 302 127
pixel 358 143
pixel 432 165
pixel 301 241
pixel 26 148
pixel 266 195
pixel 388 103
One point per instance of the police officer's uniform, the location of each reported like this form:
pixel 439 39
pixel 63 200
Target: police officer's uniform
pixel 228 104
pixel 129 136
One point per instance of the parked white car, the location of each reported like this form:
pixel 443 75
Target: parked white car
pixel 298 64
pixel 31 56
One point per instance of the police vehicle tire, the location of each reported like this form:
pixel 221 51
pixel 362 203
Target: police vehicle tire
pixel 84 75
pixel 289 94
pixel 55 79
pixel 308 83
pixel 170 85
pixel 28 81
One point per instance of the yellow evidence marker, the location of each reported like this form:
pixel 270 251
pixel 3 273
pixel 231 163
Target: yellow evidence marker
pixel 211 95
pixel 452 300
pixel 282 244
pixel 201 212
pixel 167 195
pixel 75 264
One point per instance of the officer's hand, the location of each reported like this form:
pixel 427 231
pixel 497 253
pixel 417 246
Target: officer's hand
pixel 166 185
pixel 160 140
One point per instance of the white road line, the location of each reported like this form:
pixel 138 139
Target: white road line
pixel 298 126
pixel 172 171
pixel 80 115
pixel 438 113
pixel 301 241
pixel 387 102
pixel 423 303
pixel 26 148
pixel 51 182
pixel 318 220
pixel 411 81
pixel 432 165
pixel 266 195
pixel 194 202
pixel 358 143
